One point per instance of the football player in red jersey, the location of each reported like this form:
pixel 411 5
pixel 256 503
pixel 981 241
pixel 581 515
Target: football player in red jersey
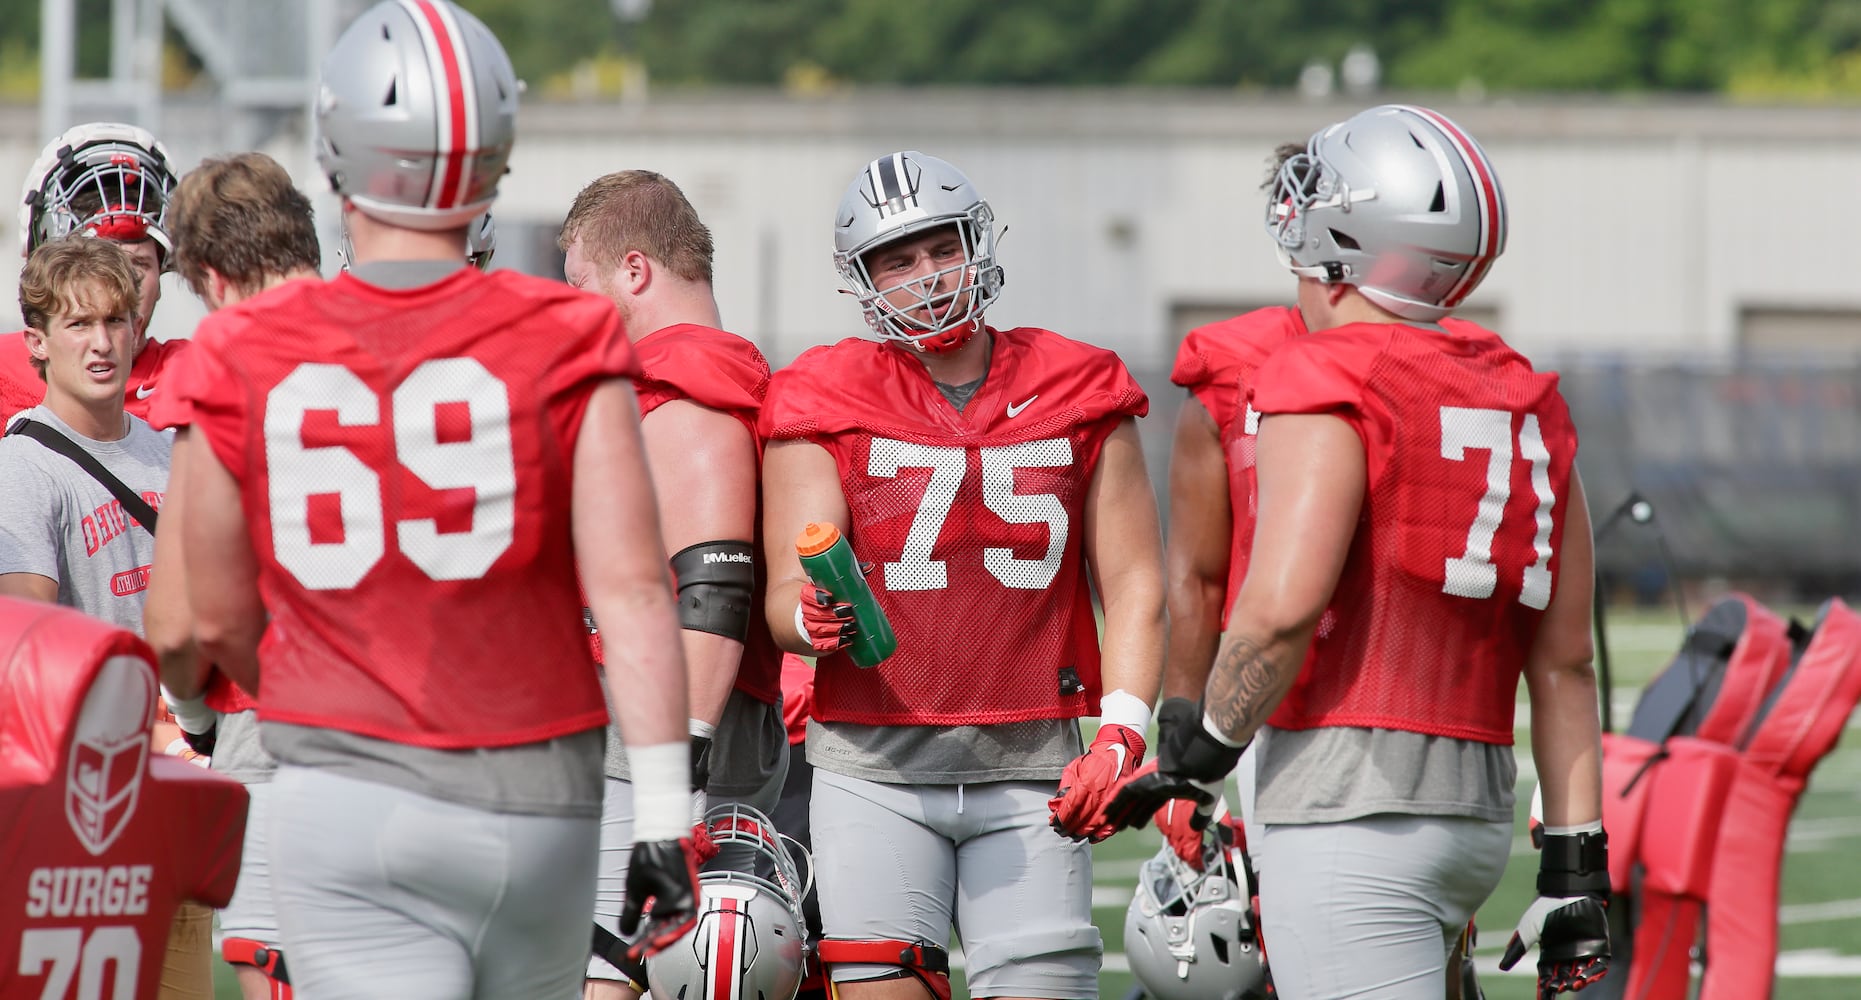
pixel 993 478
pixel 403 470
pixel 103 840
pixel 112 181
pixel 1212 509
pixel 634 238
pixel 1422 540
pixel 240 228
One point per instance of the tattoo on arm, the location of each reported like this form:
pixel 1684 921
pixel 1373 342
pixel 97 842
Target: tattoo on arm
pixel 1246 685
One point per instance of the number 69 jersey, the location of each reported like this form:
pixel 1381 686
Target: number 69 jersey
pixel 973 521
pixel 1469 454
pixel 404 463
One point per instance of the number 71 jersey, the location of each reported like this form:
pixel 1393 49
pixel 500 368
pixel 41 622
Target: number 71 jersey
pixel 974 521
pixel 1469 455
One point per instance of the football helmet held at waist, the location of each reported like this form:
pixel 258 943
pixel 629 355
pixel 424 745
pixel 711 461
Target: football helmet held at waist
pixel 750 940
pixel 1190 935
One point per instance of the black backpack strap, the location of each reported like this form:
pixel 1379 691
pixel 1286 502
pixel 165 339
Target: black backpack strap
pixel 49 436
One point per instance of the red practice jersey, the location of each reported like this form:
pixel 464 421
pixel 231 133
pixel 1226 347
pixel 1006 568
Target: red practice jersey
pixel 1469 454
pixel 404 458
pixel 1216 363
pixel 21 388
pixel 724 372
pixel 102 838
pixel 974 522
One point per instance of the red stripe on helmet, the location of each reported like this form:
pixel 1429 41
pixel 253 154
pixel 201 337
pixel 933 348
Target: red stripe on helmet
pixel 724 974
pixel 1492 212
pixel 449 186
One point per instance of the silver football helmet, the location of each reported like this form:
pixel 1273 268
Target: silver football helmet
pixel 1396 200
pixel 416 114
pixel 1190 934
pixel 107 179
pixel 750 940
pixel 902 195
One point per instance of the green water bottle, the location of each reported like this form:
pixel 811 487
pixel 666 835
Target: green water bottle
pixel 830 563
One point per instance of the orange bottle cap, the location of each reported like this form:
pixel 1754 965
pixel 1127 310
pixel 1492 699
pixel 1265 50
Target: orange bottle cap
pixel 816 538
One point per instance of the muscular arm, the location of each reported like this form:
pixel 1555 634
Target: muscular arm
pixel 229 616
pixel 167 621
pixel 800 484
pixel 1565 733
pixel 621 556
pixel 1122 543
pixel 1196 559
pixel 1311 472
pixel 704 477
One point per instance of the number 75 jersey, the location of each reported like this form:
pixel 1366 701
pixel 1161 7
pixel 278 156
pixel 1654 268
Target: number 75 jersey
pixel 973 521
pixel 1456 555
pixel 404 462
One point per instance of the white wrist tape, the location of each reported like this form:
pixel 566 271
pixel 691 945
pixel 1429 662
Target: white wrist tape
pixel 661 777
pixel 1122 708
pixel 801 625
pixel 1593 826
pixel 1214 730
pixel 192 714
pixel 699 727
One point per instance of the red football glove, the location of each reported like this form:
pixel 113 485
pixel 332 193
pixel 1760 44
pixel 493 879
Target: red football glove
pixel 1087 782
pixel 828 625
pixel 1182 822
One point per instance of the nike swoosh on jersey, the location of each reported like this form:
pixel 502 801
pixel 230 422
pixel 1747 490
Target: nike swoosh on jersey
pixel 1014 409
pixel 1252 420
pixel 144 391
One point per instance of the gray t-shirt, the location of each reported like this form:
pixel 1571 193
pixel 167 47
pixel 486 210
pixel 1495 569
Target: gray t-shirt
pixel 60 523
pixel 1335 773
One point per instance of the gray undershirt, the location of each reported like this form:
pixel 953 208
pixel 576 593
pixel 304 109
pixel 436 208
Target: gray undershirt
pixel 559 777
pixel 1335 773
pixel 238 752
pixel 960 395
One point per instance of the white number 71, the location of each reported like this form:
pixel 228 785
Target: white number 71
pixel 1472 574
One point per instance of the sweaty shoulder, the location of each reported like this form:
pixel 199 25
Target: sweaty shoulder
pixel 708 366
pixel 1215 353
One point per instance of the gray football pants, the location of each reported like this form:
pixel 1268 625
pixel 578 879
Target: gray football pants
pixel 382 892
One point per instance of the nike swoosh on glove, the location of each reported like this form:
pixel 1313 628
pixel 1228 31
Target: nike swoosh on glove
pixel 1114 755
pixel 1190 764
pixel 662 893
pixel 1572 935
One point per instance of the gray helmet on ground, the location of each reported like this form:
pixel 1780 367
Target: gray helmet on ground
pixel 1190 934
pixel 107 179
pixel 901 195
pixel 1398 201
pixel 416 114
pixel 750 939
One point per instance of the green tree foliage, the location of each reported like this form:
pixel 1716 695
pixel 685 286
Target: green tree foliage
pixel 1804 49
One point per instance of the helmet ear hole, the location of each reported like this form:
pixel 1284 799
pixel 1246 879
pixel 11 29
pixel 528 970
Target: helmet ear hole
pixel 1440 202
pixel 394 90
pixel 1345 241
pixel 1219 945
